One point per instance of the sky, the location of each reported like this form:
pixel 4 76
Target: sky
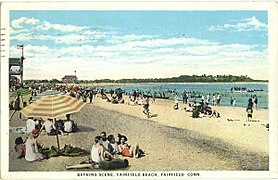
pixel 140 44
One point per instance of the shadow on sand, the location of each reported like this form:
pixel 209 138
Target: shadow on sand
pixel 85 129
pixel 152 115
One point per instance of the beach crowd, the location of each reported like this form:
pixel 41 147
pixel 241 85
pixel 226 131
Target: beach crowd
pixel 106 151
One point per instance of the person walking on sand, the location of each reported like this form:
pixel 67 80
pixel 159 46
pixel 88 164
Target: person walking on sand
pixel 249 112
pixel 154 95
pixel 91 95
pixel 250 103
pixel 16 106
pixel 184 98
pixel 146 107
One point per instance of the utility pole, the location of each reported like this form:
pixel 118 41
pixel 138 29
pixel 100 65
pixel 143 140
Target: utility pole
pixel 21 63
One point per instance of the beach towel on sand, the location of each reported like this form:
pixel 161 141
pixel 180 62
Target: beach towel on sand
pixel 18 130
pixel 68 150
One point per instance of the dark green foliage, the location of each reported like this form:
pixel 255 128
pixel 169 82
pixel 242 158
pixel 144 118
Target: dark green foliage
pixel 183 78
pixel 68 150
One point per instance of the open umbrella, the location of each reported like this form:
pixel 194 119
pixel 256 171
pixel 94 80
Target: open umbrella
pixel 76 88
pixel 21 91
pixel 53 106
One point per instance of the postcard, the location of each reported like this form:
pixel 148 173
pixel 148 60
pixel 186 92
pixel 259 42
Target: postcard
pixel 129 90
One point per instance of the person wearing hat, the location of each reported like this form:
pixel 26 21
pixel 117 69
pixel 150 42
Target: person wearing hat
pixel 31 144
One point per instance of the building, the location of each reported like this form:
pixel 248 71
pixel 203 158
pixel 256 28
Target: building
pixel 69 79
pixel 16 69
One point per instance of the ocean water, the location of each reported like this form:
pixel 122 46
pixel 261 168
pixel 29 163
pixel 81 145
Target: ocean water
pixel 224 89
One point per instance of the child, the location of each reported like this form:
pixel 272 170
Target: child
pixel 249 111
pixel 20 147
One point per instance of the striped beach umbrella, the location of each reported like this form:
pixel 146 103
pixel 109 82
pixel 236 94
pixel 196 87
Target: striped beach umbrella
pixel 53 106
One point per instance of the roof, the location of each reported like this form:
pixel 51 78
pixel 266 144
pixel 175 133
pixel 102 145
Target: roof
pixel 70 76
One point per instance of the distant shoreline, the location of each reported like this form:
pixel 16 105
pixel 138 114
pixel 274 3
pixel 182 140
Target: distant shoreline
pixel 152 83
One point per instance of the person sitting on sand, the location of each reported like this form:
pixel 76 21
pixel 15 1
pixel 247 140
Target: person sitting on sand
pixel 196 112
pixel 189 108
pixel 114 99
pixel 105 143
pixel 97 156
pixel 98 152
pixel 20 147
pixel 127 150
pixel 107 99
pixel 114 145
pixel 130 102
pixel 69 125
pixel 214 113
pixel 49 127
pixel 98 159
pixel 32 149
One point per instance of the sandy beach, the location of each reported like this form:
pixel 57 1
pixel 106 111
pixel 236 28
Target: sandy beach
pixel 172 141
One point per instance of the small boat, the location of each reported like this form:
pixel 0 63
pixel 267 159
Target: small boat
pixel 239 90
pixel 258 90
pixel 158 97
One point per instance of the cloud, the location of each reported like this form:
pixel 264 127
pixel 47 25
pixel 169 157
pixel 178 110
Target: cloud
pixel 17 23
pixel 116 39
pixel 248 24
pixel 97 52
pixel 45 26
pixel 31 30
pixel 167 42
